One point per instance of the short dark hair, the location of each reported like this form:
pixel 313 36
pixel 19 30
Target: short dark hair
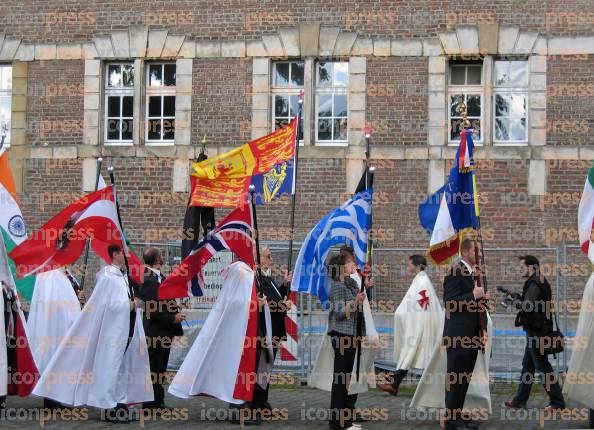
pixel 418 260
pixel 150 256
pixel 335 265
pixel 113 249
pixel 347 251
pixel 530 261
pixel 467 242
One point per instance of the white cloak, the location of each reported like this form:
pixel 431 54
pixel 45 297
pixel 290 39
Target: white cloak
pixel 323 372
pixel 92 365
pixel 430 392
pixel 578 386
pixel 418 324
pixel 54 308
pixel 212 363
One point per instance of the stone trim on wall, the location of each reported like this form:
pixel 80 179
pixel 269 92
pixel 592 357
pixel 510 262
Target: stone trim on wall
pixel 306 39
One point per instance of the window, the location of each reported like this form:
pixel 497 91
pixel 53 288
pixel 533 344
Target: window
pixel 287 83
pixel 465 84
pixel 510 90
pixel 5 102
pixel 332 80
pixel 119 102
pixel 160 103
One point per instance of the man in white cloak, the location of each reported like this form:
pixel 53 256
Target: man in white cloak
pixel 418 324
pixel 100 363
pixel 226 361
pixel 323 372
pixel 577 385
pixel 54 307
pixel 18 373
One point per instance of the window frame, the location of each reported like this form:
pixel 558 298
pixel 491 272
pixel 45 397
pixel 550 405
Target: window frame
pixel 162 92
pixel 510 90
pixel 330 90
pixel 286 91
pixel 465 90
pixel 7 93
pixel 119 92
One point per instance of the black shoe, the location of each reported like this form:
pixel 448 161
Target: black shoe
pixel 117 415
pixel 471 424
pixel 455 425
pixel 358 418
pixel 255 422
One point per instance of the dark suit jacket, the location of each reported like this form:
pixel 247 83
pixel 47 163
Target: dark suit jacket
pixel 159 319
pixel 277 311
pixel 462 316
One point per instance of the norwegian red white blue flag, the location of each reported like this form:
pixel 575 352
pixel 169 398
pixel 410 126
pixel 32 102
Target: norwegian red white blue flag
pixel 453 210
pixel 233 233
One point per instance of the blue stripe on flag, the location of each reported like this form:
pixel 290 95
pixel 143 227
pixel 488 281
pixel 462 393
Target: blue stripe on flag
pixel 347 224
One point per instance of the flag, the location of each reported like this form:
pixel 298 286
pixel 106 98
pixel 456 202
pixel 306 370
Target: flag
pixel 289 348
pixel 196 218
pixel 135 264
pixel 234 233
pixel 348 224
pixel 62 239
pixel 12 224
pixel 223 181
pixel 586 217
pixel 453 210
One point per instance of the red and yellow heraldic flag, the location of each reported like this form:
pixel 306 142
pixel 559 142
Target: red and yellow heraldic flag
pixel 223 181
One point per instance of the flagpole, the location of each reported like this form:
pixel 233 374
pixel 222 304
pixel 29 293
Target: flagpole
pixel 124 245
pixel 293 196
pixel 359 313
pixel 481 281
pixel 368 183
pixel 88 242
pixel 252 192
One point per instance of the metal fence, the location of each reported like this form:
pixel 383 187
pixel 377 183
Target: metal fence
pixel 392 282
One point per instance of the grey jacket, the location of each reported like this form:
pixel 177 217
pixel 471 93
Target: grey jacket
pixel 343 316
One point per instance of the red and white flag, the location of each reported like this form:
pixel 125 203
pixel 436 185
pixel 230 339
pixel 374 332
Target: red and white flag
pixel 62 239
pixel 288 349
pixel 233 233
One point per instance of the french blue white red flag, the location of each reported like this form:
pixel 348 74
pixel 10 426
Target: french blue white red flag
pixel 233 233
pixel 453 210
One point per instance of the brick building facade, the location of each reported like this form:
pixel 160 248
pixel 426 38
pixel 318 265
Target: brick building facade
pixel 141 83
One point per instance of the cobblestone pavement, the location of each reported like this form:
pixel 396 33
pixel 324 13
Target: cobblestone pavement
pixel 305 408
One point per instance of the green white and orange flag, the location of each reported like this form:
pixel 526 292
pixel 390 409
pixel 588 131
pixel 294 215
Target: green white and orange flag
pixel 12 224
pixel 586 217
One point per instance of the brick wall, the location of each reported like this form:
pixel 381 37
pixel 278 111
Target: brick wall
pixel 222 101
pixel 570 100
pixel 80 20
pixel 55 102
pixel 397 100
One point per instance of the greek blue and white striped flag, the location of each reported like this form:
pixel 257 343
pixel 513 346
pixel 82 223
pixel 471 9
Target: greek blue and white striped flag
pixel 347 224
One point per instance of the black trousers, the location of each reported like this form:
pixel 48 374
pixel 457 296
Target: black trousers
pixel 534 360
pixel 260 400
pixel 158 359
pixel 460 364
pixel 341 403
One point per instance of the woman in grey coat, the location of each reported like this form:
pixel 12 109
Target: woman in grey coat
pixel 345 298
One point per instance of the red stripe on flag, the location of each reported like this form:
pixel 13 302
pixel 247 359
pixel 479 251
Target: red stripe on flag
pixel 246 374
pixel 25 376
pixel 444 252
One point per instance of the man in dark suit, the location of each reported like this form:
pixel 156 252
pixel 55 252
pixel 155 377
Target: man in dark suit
pixel 162 322
pixel 276 296
pixel 462 335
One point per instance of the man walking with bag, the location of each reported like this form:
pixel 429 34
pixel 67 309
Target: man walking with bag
pixel 536 319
